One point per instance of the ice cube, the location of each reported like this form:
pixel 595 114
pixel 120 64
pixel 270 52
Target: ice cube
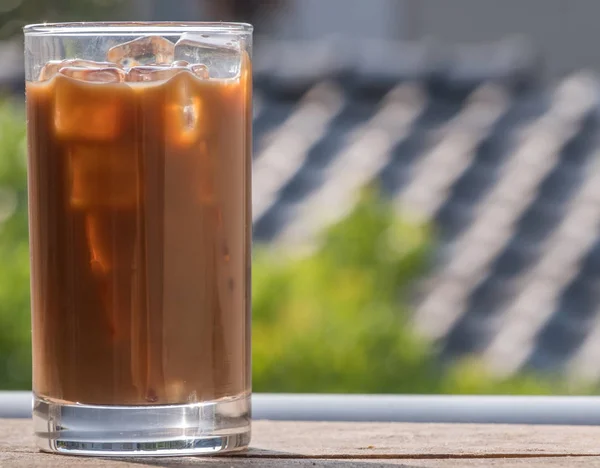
pixel 185 119
pixel 148 50
pixel 222 55
pixel 53 66
pixel 87 112
pixel 201 71
pixel 180 63
pixel 99 75
pixel 50 69
pixel 153 73
pixel 103 176
pixel 183 122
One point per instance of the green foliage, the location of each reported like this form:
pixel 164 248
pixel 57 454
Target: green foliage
pixel 337 321
pixel 15 348
pixel 332 321
pixel 14 14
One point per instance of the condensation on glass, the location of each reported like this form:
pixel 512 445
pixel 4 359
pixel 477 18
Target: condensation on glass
pixel 139 138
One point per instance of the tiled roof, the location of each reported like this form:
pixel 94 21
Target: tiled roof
pixel 469 138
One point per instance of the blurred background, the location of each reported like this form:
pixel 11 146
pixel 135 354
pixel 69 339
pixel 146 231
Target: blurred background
pixel 426 191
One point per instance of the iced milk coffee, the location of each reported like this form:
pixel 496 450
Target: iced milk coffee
pixel 139 186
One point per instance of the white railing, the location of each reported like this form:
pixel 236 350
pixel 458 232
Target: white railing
pixel 567 410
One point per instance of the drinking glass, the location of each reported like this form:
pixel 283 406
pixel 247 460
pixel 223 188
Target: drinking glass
pixel 139 157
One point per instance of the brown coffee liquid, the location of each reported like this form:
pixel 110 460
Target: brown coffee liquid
pixel 140 239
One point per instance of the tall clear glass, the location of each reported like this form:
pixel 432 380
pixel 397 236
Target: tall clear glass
pixel 139 141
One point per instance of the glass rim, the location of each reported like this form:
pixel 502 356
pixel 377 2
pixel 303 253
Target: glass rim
pixel 133 28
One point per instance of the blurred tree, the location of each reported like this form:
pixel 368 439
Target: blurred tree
pixel 338 320
pixel 14 14
pixel 334 321
pixel 15 348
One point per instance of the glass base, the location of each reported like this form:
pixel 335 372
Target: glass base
pixel 207 428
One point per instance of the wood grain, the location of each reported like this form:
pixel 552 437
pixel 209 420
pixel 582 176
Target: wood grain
pixel 327 444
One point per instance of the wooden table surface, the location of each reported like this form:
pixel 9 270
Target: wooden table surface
pixel 328 444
